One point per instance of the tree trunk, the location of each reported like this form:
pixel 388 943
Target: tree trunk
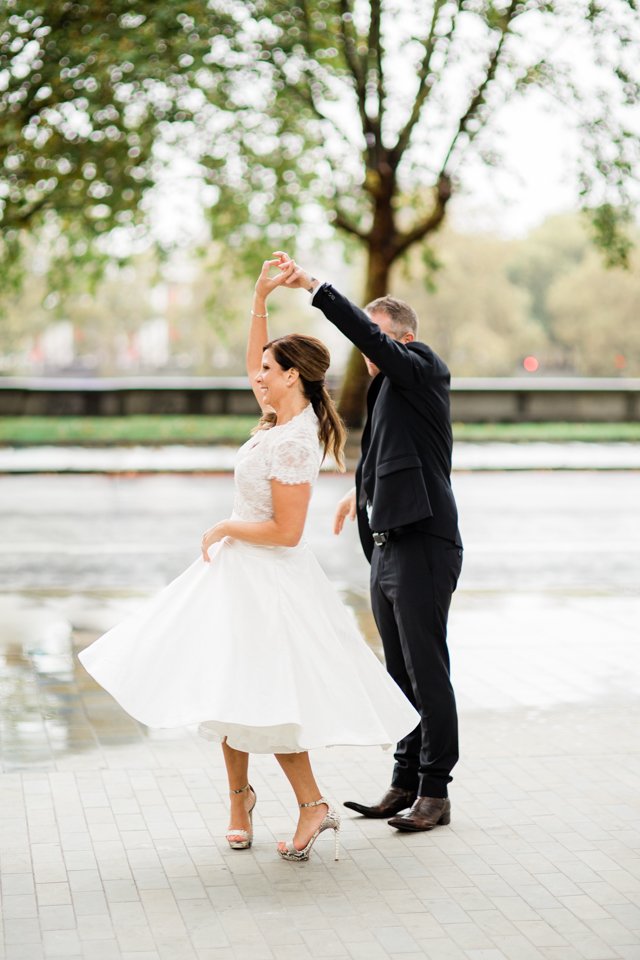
pixel 356 379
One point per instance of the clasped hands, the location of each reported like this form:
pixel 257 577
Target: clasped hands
pixel 291 275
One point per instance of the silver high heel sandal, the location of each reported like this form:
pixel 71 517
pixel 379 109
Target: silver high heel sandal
pixel 330 822
pixel 246 835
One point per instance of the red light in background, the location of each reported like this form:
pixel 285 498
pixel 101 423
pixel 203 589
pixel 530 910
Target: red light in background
pixel 620 361
pixel 530 364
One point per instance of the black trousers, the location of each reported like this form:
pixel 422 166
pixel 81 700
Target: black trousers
pixel 413 577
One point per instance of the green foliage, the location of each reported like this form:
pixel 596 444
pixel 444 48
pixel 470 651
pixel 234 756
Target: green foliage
pixel 610 229
pixel 86 91
pixel 363 117
pixel 594 314
pixel 587 308
pixel 369 110
pixel 476 316
pixel 549 251
pixel 549 295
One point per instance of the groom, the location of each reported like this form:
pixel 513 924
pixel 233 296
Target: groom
pixel 408 525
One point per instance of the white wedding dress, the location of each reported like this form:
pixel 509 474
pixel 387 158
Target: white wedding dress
pixel 255 646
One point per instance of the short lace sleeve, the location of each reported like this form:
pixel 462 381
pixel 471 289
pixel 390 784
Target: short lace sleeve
pixel 294 462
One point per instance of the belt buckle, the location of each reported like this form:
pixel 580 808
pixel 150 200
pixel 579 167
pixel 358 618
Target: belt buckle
pixel 380 538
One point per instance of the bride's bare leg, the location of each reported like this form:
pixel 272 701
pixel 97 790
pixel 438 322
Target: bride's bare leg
pixel 297 769
pixel 237 764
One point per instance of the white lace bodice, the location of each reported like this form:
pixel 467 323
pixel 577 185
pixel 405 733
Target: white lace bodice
pixel 289 453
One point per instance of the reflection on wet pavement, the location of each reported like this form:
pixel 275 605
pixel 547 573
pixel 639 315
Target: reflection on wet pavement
pixel 50 708
pixel 545 616
pixel 523 652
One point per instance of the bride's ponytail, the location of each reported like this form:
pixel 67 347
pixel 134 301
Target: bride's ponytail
pixel 331 428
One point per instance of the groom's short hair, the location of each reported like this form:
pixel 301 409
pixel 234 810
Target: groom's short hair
pixel 404 319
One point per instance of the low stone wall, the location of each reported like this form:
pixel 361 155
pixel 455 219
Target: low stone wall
pixel 474 400
pixel 125 396
pixel 518 400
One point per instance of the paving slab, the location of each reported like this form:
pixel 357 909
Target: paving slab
pixel 112 836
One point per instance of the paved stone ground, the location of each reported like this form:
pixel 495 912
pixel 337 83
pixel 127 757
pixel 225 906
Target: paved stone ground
pixel 111 836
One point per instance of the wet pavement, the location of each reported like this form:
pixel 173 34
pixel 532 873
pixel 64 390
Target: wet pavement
pixel 111 835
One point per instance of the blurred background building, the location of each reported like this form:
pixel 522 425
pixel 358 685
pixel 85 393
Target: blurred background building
pixel 540 305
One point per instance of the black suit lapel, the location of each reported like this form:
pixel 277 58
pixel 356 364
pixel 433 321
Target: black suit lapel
pixel 372 396
pixel 363 523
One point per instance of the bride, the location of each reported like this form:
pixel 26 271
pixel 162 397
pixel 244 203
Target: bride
pixel 251 642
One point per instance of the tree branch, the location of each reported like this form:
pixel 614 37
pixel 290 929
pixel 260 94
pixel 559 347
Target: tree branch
pixel 430 223
pixel 444 185
pixel 306 95
pixel 341 220
pixel 356 67
pixel 424 85
pixel 479 97
pixel 375 45
pixel 305 92
pixel 23 215
pixel 350 51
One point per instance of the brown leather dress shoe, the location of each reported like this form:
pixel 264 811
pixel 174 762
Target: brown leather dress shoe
pixel 393 801
pixel 425 814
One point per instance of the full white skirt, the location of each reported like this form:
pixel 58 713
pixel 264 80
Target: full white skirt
pixel 257 647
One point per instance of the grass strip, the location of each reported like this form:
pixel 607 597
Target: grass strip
pixel 560 432
pixel 163 430
pixel 152 430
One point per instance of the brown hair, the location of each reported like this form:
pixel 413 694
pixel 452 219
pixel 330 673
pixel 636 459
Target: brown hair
pixel 311 359
pixel 404 319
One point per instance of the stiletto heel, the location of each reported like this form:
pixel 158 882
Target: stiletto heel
pixel 246 835
pixel 331 822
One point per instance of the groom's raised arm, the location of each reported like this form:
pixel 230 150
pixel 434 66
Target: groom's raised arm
pixel 393 358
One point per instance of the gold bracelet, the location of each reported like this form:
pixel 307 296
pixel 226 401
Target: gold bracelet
pixel 263 316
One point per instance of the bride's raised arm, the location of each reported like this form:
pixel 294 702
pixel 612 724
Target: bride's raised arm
pixel 258 328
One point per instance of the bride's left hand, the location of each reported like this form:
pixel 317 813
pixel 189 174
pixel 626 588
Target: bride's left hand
pixel 216 533
pixel 266 284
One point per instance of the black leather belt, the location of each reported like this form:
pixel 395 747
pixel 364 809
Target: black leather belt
pixel 380 537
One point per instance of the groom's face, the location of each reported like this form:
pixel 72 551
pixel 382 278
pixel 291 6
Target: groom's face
pixel 384 321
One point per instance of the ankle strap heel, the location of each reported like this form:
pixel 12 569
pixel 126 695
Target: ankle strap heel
pixel 241 790
pixel 237 838
pixel 331 821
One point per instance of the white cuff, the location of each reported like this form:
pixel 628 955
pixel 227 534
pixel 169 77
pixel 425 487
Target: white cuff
pixel 315 287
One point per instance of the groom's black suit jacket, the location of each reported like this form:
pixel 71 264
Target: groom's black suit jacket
pixel 404 472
